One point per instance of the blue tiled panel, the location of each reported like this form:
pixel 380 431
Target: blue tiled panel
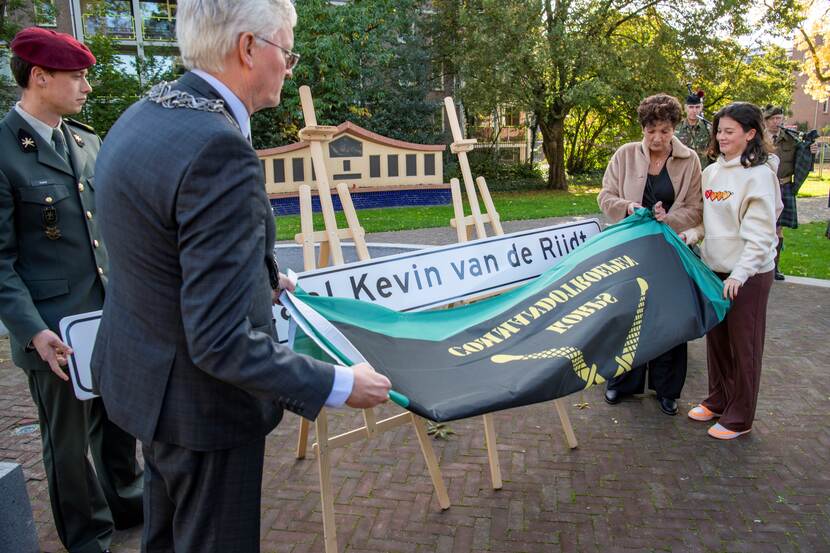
pixel 367 200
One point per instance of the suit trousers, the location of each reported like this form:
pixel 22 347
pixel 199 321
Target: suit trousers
pixel 205 501
pixel 666 375
pixel 734 349
pixel 86 503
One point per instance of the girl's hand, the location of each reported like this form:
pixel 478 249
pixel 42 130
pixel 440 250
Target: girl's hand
pixel 730 288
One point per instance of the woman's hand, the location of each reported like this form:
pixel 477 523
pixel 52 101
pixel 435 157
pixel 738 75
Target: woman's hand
pixel 659 212
pixel 633 206
pixel 730 288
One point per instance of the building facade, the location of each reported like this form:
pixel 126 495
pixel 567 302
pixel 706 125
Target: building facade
pixel 358 157
pixel 136 25
pixel 806 111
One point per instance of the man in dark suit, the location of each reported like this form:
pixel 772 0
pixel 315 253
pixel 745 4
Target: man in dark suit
pixel 200 379
pixel 53 264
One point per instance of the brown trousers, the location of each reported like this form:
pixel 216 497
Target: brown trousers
pixel 734 349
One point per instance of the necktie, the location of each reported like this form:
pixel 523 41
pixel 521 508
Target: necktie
pixel 60 144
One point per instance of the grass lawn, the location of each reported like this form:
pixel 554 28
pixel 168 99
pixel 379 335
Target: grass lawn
pixel 815 186
pixel 806 251
pixel 512 206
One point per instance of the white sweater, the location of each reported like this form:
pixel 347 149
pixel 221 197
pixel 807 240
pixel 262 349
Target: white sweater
pixel 740 208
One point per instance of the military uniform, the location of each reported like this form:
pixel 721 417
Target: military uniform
pixel 695 137
pixel 785 149
pixel 54 264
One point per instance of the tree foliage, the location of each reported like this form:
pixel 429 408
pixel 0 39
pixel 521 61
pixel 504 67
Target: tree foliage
pixel 582 66
pixel 813 39
pixel 118 81
pixel 365 62
pixel 8 28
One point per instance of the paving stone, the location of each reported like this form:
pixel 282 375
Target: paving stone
pixel 639 480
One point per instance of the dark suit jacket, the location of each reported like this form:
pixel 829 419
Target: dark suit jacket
pixel 185 352
pixel 47 274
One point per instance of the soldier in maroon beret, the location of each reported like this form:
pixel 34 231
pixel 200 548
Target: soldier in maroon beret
pixel 54 264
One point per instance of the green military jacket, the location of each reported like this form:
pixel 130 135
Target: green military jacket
pixel 52 260
pixel 785 150
pixel 695 137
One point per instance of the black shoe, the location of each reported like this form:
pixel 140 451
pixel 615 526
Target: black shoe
pixel 779 275
pixel 668 406
pixel 612 397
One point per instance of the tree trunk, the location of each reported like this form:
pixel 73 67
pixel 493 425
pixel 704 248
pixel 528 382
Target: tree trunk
pixel 553 144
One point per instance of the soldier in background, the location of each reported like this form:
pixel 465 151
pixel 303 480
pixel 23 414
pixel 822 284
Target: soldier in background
pixel 53 264
pixel 786 144
pixel 693 131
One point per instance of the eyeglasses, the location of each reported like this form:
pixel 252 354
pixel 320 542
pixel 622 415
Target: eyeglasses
pixel 291 59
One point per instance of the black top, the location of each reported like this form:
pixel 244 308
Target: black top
pixel 658 188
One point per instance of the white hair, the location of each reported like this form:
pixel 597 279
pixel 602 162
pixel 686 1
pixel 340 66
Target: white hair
pixel 207 30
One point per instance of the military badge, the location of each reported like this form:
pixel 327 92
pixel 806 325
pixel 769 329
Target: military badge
pixel 78 140
pixel 26 141
pixel 49 216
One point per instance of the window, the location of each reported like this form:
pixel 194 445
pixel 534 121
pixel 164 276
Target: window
pixel 374 167
pixel 392 165
pixel 826 106
pixel 298 169
pixel 436 76
pixel 158 20
pixel 279 170
pixel 512 118
pixel 429 164
pixel 46 14
pixel 411 165
pixel 112 18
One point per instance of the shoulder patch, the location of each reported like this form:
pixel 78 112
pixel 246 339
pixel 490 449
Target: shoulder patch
pixel 78 124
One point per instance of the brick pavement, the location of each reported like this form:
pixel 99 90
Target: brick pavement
pixel 639 481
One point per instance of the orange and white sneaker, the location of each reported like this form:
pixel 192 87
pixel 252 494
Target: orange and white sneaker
pixel 723 433
pixel 702 413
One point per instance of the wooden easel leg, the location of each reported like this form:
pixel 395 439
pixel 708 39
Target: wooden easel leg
pixel 325 254
pixel 492 452
pixel 326 495
pixel 431 461
pixel 566 422
pixel 302 439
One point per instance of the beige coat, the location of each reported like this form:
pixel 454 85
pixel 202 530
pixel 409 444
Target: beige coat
pixel 625 181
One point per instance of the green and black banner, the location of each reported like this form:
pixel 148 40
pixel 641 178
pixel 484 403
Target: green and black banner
pixel 619 300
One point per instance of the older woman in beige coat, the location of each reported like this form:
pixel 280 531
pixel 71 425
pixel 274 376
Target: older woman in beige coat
pixel 663 175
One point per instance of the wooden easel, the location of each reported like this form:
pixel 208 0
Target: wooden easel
pixel 331 251
pixel 463 226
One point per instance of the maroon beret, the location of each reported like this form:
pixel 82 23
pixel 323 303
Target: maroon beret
pixel 51 50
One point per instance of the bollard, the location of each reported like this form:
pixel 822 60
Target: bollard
pixel 17 527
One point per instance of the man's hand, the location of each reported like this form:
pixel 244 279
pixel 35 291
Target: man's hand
pixel 730 288
pixel 370 388
pixel 814 148
pixel 52 350
pixel 633 206
pixel 285 284
pixel 659 212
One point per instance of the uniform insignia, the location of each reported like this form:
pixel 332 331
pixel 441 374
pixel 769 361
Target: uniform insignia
pixel 26 141
pixel 78 140
pixel 49 216
pixel 80 125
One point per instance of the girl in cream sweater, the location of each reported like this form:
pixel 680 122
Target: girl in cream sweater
pixel 741 202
